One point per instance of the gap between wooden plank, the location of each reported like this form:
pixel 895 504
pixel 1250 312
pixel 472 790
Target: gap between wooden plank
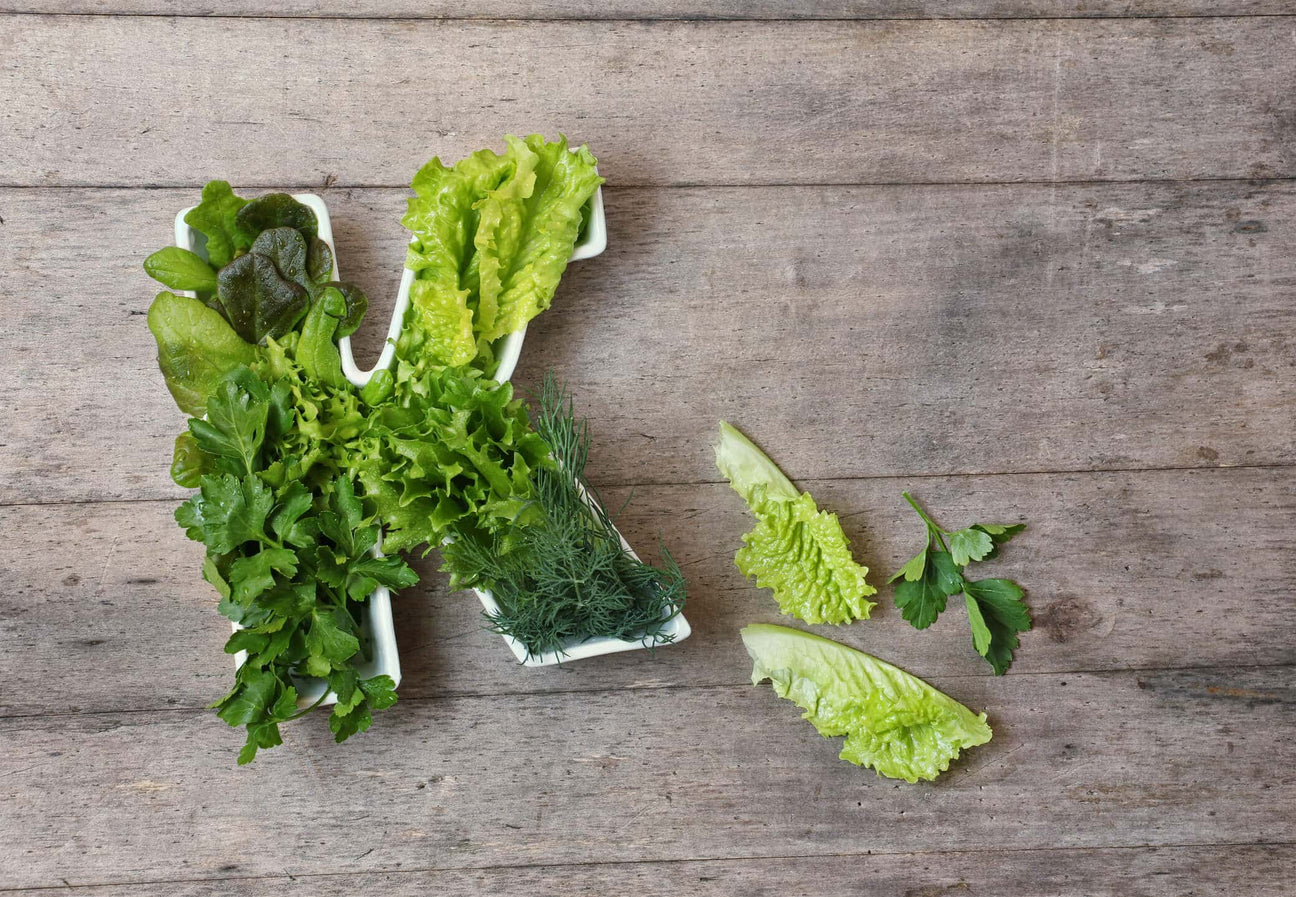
pixel 665 687
pixel 606 484
pixel 122 886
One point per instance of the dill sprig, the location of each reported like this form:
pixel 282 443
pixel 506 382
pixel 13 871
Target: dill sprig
pixel 566 576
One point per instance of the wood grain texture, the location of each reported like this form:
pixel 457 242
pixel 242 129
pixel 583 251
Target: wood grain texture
pixel 367 102
pixel 594 10
pixel 1124 571
pixel 1261 871
pixel 1078 761
pixel 852 331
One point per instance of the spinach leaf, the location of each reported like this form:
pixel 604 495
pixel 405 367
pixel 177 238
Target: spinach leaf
pixel 319 261
pixel 277 210
pixel 316 352
pixel 196 349
pixel 257 299
pixel 287 249
pixel 357 303
pixel 180 269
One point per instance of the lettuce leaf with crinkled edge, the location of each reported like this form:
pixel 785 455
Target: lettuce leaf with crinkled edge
pixel 443 218
pixel 450 447
pixel 492 236
pixel 894 723
pixel 524 250
pixel 796 550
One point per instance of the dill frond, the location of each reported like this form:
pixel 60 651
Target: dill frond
pixel 566 576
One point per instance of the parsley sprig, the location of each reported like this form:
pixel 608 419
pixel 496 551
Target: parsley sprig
pixel 291 556
pixel 995 608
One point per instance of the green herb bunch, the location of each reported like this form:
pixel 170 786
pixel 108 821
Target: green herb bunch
pixel 995 607
pixel 290 558
pixel 566 577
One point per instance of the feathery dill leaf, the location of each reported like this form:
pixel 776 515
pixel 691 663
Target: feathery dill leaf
pixel 566 577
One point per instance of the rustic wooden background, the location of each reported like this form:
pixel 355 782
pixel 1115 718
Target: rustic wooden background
pixel 1026 258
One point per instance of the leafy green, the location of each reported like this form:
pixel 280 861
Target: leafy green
pixel 257 299
pixel 196 348
pixel 524 251
pixel 276 210
pixel 287 249
pixel 216 219
pixel 449 447
pixel 316 350
pixel 292 559
pixel 492 236
pixel 798 551
pixel 565 576
pixel 894 723
pixel 180 269
pixel 996 611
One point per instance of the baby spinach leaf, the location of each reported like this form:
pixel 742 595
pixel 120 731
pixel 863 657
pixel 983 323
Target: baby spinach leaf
pixel 216 219
pixel 257 300
pixel 319 261
pixel 196 349
pixel 357 303
pixel 277 210
pixel 286 248
pixel 316 351
pixel 180 269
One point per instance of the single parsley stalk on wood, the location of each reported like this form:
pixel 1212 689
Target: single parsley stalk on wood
pixel 995 608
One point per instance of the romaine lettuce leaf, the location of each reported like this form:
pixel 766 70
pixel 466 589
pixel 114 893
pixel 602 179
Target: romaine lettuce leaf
pixel 796 550
pixel 524 250
pixel 492 236
pixel 894 723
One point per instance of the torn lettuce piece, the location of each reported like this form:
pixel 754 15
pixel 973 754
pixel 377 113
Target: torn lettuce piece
pixel 894 723
pixel 796 550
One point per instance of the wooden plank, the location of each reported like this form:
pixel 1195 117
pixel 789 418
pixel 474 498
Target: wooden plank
pixel 852 331
pixel 155 101
pixel 1124 571
pixel 1078 762
pixel 663 9
pixel 1261 871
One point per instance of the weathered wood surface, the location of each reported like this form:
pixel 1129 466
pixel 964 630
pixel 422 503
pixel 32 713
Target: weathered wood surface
pixel 148 101
pixel 1111 361
pixel 1124 572
pixel 1262 871
pixel 866 331
pixel 1175 758
pixel 662 9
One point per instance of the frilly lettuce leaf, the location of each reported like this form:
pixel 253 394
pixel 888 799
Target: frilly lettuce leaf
pixel 802 554
pixel 894 723
pixel 450 446
pixel 524 251
pixel 492 236
pixel 796 550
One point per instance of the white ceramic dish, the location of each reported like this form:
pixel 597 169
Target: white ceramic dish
pixel 378 620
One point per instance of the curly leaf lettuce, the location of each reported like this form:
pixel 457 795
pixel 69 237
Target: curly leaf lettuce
pixel 450 447
pixel 796 550
pixel 492 236
pixel 894 723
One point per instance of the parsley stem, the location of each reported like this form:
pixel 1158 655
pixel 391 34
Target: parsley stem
pixel 931 524
pixel 301 713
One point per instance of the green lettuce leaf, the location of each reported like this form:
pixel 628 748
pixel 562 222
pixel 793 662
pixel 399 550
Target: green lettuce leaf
pixel 525 238
pixel 216 219
pixel 450 446
pixel 492 236
pixel 197 348
pixel 796 550
pixel 894 723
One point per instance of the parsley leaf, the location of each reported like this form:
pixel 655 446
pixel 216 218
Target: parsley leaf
pixel 996 611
